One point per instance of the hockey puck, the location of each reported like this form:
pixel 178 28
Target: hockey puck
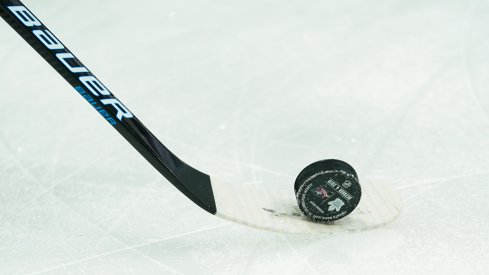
pixel 327 190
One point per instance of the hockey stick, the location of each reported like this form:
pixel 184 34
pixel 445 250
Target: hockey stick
pixel 239 203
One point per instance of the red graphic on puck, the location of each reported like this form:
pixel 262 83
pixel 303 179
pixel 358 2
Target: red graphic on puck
pixel 321 192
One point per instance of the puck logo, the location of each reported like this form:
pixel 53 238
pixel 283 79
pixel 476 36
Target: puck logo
pixel 322 192
pixel 335 205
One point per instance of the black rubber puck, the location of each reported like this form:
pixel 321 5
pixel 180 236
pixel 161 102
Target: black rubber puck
pixel 327 190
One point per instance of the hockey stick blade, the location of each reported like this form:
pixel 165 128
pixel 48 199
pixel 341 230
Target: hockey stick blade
pixel 276 210
pixel 245 204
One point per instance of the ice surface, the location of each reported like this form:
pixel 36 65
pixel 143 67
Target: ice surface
pixel 249 91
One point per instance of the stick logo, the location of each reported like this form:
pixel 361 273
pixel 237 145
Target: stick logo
pixel 87 79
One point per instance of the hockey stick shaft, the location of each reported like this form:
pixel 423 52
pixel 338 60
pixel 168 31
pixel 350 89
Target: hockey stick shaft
pixel 194 184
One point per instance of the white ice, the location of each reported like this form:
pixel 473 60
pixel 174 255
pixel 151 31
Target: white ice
pixel 248 91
